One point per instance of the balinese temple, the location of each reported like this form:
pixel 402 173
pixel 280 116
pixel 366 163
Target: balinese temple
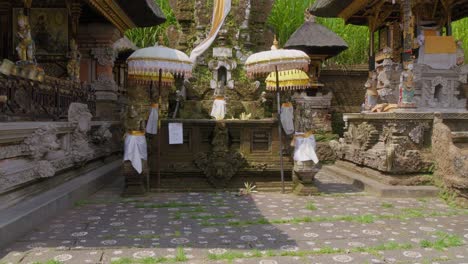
pixel 414 114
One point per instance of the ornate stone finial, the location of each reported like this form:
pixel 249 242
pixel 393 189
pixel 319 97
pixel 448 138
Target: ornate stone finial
pixel 308 17
pixel 275 44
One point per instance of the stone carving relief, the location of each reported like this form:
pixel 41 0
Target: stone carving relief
pixel 362 136
pixel 417 133
pixel 105 87
pixel 43 143
pixel 104 56
pixel 80 148
pixel 220 164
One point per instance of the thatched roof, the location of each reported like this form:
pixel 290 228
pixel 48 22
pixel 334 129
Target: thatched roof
pixel 332 8
pixel 328 8
pixel 316 39
pixel 144 13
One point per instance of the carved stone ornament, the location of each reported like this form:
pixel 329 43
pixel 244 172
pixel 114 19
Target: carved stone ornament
pixel 43 142
pixel 104 56
pixel 220 164
pixel 80 149
pixel 363 136
pixel 45 169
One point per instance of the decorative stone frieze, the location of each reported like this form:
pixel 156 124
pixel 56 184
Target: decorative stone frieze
pixel 104 56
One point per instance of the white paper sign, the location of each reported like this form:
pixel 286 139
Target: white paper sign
pixel 176 133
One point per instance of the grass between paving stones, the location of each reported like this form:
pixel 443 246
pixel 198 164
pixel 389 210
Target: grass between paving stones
pixel 167 205
pixel 311 206
pixel 443 241
pixel 209 217
pixel 179 257
pixel 232 255
pixel 407 213
pixel 387 205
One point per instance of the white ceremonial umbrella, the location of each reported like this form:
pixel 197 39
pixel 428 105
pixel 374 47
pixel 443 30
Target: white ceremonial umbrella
pixel 276 60
pixel 158 63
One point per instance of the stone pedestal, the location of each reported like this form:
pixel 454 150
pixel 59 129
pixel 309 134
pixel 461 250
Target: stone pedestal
pixel 135 184
pixel 303 177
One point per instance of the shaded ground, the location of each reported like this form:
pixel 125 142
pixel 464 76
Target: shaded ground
pixel 342 227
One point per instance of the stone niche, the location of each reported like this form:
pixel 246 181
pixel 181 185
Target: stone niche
pixel 221 67
pixel 439 90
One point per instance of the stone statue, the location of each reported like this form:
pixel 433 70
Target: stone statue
pixel 25 47
pixel 73 65
pixel 371 91
pixel 460 53
pixel 407 88
pixel 80 148
pixel 131 119
pixel 43 143
pixel 384 87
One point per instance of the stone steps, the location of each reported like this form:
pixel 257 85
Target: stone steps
pixel 380 189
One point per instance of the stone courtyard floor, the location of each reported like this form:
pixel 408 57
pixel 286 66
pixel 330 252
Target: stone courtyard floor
pixel 343 226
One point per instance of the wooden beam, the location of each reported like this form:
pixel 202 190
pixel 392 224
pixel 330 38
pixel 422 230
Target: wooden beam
pixel 353 8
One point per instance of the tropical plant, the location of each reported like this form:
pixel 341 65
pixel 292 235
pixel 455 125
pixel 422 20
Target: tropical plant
pixel 148 36
pixel 286 16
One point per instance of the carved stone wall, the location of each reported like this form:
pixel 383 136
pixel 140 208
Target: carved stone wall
pixel 452 161
pixel 394 143
pixel 30 151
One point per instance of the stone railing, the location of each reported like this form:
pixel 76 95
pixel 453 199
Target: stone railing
pixel 33 151
pixel 24 99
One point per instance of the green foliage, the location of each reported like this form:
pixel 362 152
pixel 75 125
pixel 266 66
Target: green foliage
pixel 145 37
pixel 311 206
pixel 286 17
pixel 460 31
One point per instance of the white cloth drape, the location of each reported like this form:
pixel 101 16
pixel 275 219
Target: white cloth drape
pixel 287 119
pixel 135 151
pixel 219 109
pixel 305 148
pixel 220 12
pixel 152 124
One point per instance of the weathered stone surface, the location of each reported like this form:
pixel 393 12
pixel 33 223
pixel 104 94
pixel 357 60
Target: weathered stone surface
pixel 324 152
pixel 220 164
pixel 397 144
pixel 452 162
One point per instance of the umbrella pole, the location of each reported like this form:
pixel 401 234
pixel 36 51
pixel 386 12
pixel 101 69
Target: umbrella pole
pixel 158 163
pixel 278 98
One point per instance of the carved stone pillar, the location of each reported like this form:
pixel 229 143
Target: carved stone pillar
pixel 104 86
pixel 95 42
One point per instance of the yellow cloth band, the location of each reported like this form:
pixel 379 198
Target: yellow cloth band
pixel 288 104
pixel 154 105
pixel 136 133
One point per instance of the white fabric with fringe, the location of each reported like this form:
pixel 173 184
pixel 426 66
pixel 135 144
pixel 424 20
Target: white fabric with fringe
pixel 305 148
pixel 287 119
pixel 152 124
pixel 135 151
pixel 219 109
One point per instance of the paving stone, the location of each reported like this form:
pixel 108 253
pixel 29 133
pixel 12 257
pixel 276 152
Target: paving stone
pixel 215 223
